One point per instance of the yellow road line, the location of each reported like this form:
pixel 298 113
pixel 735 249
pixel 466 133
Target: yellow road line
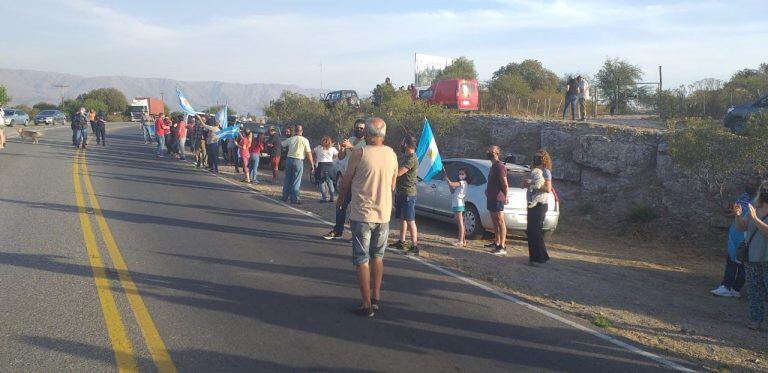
pixel 121 344
pixel 151 336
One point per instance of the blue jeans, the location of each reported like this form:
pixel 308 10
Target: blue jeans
pixel 160 145
pixel 253 165
pixel 294 168
pixel 570 100
pixel 325 175
pixel 341 215
pixel 145 130
pixel 81 137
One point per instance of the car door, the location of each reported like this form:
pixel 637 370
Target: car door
pixel 443 197
pixel 425 196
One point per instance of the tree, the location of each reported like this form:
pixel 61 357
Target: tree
pixel 4 98
pixel 383 92
pixel 95 105
pixel 460 68
pixel 532 72
pixel 617 78
pixel 113 99
pixel 754 82
pixel 44 106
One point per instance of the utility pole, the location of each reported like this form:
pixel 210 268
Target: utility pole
pixel 321 74
pixel 162 97
pixel 61 90
pixel 659 93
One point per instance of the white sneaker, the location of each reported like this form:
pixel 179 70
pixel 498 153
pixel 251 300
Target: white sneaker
pixel 735 294
pixel 722 291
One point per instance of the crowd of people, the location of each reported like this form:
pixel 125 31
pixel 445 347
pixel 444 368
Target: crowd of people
pixel 576 93
pixel 80 122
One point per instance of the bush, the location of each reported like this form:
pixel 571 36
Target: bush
pixel 715 157
pixel 643 215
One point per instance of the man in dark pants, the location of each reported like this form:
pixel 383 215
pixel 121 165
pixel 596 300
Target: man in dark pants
pixel 80 128
pixel 357 141
pixel 99 128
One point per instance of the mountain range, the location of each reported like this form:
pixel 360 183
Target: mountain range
pixel 30 87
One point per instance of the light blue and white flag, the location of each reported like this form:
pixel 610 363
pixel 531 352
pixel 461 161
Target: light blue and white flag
pixel 227 133
pixel 221 116
pixel 430 162
pixel 184 103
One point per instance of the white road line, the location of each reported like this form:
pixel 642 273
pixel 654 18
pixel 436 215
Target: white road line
pixel 496 292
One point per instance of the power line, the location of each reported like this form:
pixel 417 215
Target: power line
pixel 61 89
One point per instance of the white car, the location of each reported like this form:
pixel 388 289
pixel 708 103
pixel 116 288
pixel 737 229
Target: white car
pixel 434 198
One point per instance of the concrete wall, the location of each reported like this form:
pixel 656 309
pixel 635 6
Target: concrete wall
pixel 602 169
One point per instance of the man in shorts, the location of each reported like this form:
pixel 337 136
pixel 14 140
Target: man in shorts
pixel 496 199
pixel 405 195
pixel 370 178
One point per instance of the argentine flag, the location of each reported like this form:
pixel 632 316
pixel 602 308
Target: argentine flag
pixel 227 133
pixel 221 116
pixel 184 103
pixel 430 163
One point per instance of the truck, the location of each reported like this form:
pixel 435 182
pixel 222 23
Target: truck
pixel 139 105
pixel 461 94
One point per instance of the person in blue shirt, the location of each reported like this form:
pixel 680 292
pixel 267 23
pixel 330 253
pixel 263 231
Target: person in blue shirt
pixel 733 277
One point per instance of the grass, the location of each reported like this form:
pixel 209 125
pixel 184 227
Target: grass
pixel 601 322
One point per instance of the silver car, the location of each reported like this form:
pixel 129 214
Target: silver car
pixel 47 117
pixel 15 116
pixel 434 198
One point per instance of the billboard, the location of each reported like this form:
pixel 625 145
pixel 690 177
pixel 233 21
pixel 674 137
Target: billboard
pixel 427 67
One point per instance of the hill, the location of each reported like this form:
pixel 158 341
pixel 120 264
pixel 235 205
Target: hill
pixel 29 87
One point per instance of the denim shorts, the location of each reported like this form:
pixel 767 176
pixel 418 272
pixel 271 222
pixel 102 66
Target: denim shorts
pixel 495 206
pixel 458 208
pixel 405 207
pixel 368 240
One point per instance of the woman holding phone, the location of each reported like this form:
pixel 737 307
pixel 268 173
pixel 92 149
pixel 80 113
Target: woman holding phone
pixel 756 265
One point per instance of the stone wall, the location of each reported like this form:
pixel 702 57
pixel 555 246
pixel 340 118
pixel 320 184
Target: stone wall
pixel 600 169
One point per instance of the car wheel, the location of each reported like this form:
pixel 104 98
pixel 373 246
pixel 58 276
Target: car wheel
pixel 473 227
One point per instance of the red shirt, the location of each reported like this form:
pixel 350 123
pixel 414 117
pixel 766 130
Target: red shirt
pixel 244 144
pixel 256 146
pixel 160 129
pixel 182 129
pixel 494 190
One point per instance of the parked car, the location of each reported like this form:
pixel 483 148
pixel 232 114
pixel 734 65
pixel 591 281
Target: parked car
pixel 347 96
pixel 461 94
pixel 15 116
pixel 50 117
pixel 738 115
pixel 434 198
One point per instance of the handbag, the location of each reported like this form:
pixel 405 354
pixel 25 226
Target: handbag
pixel 742 252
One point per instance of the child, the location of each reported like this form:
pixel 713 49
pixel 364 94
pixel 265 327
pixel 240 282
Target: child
pixel 459 191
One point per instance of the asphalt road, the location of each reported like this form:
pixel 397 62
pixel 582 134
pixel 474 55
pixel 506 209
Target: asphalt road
pixel 148 264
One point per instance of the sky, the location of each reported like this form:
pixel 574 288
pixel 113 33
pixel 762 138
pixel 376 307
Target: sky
pixel 355 44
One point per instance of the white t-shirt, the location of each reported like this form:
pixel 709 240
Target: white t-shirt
pixel 459 193
pixel 325 155
pixel 583 88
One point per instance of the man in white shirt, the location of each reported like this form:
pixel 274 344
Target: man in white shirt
pixel 298 149
pixel 583 95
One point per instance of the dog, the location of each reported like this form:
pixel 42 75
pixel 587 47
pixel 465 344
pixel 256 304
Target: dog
pixel 34 135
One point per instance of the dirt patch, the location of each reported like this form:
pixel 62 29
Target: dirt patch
pixel 652 291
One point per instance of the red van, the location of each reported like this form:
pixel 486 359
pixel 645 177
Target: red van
pixel 459 94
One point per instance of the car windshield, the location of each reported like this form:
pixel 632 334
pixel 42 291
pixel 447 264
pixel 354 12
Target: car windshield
pixel 46 112
pixel 136 109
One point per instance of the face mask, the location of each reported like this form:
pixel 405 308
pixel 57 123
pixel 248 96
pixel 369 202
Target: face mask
pixel 537 160
pixel 359 133
pixel 489 156
pixel 462 177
